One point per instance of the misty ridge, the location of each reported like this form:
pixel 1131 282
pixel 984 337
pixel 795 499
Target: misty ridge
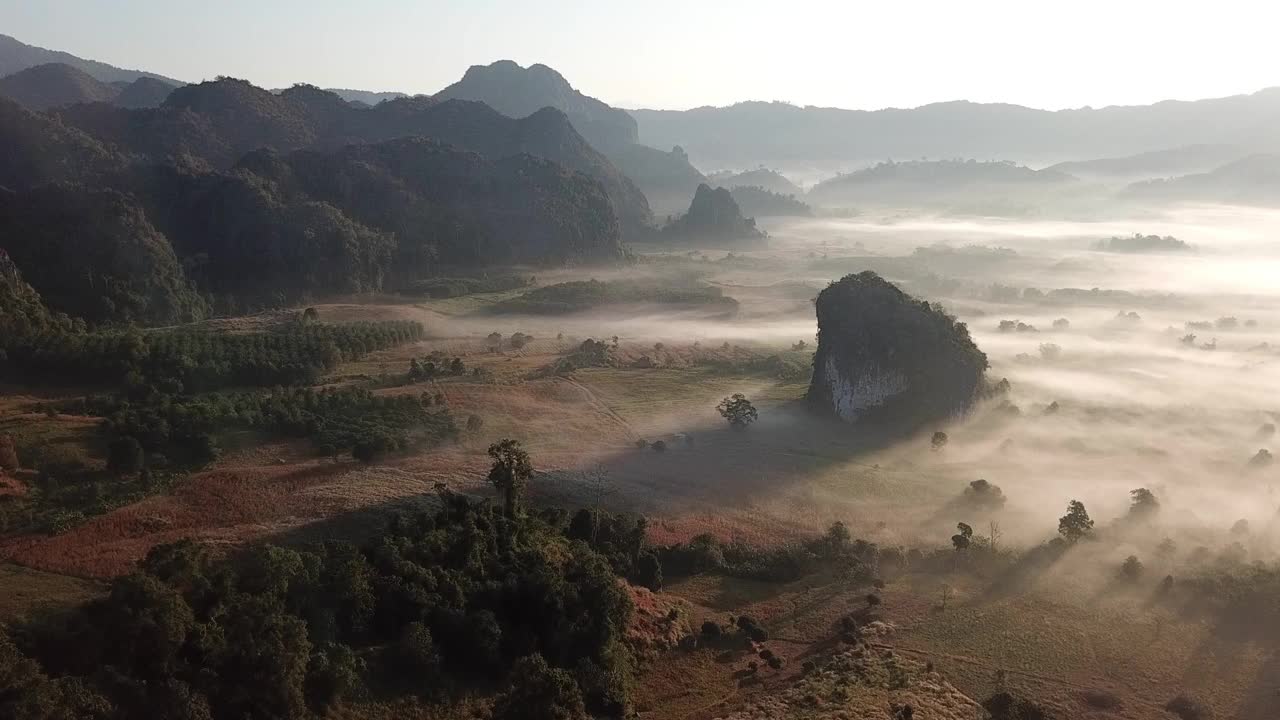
pixel 496 402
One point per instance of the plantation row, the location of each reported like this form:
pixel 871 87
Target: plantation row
pixel 347 420
pixel 203 360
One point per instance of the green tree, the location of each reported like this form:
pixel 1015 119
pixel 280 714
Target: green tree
pixel 125 456
pixel 510 473
pixel 540 692
pixel 1144 503
pixel 738 410
pixel 1076 523
pixel 963 539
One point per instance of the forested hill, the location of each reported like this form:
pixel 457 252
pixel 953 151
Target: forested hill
pixel 16 55
pixel 216 123
pixel 161 227
pixel 666 178
pixel 518 92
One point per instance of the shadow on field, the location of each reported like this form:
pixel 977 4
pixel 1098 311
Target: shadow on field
pixel 719 467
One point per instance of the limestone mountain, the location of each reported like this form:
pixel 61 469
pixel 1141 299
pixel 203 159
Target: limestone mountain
pixel 666 178
pixel 447 205
pixel 517 92
pixel 54 85
pixel 41 149
pixel 16 56
pixel 713 215
pixel 887 358
pixel 93 254
pixel 218 122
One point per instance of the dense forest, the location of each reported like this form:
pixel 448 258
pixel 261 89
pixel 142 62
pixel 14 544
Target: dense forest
pixel 230 198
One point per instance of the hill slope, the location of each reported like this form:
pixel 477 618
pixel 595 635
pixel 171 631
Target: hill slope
pixel 942 182
pixel 54 85
pixel 219 122
pixel 1254 180
pixel 16 55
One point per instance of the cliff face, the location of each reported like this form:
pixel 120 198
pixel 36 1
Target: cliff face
pixel 887 357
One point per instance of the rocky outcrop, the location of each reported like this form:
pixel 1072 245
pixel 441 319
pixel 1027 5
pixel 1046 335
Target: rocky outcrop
pixel 713 215
pixel 887 357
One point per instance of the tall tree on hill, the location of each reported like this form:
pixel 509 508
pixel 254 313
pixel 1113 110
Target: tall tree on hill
pixel 510 473
pixel 1076 523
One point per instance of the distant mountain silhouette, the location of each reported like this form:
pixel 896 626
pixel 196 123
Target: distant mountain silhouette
pixel 934 182
pixel 145 92
pixel 365 97
pixel 1157 164
pixel 784 135
pixel 666 178
pixel 16 56
pixel 762 177
pixel 218 122
pixel 1254 180
pixel 55 85
pixel 516 91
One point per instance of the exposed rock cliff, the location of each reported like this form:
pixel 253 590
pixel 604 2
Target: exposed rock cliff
pixel 886 356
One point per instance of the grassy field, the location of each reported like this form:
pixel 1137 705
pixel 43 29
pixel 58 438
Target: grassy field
pixel 24 591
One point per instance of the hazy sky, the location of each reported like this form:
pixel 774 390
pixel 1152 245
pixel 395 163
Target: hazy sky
pixel 680 54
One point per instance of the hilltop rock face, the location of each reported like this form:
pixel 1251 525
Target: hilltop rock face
pixel 713 215
pixel 887 357
pixel 518 92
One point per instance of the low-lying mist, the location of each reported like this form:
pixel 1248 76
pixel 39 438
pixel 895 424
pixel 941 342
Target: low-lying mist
pixel 1128 370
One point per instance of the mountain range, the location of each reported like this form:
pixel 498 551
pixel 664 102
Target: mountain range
pixel 782 135
pixel 16 56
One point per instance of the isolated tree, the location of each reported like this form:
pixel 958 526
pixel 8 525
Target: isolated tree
pixel 124 455
pixel 1167 548
pixel 510 473
pixel 494 340
pixel 474 423
pixel 944 596
pixel 993 536
pixel 1132 568
pixel 1144 503
pixel 873 600
pixel 1076 523
pixel 738 410
pixel 963 539
pixel 457 367
pixel 939 440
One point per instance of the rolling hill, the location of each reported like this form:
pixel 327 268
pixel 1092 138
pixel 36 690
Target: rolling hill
pixel 16 56
pixel 786 136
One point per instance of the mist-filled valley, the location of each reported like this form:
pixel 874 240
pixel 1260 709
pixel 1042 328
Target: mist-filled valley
pixel 496 400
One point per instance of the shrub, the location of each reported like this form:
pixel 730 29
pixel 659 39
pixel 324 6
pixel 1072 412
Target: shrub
pixel 1187 708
